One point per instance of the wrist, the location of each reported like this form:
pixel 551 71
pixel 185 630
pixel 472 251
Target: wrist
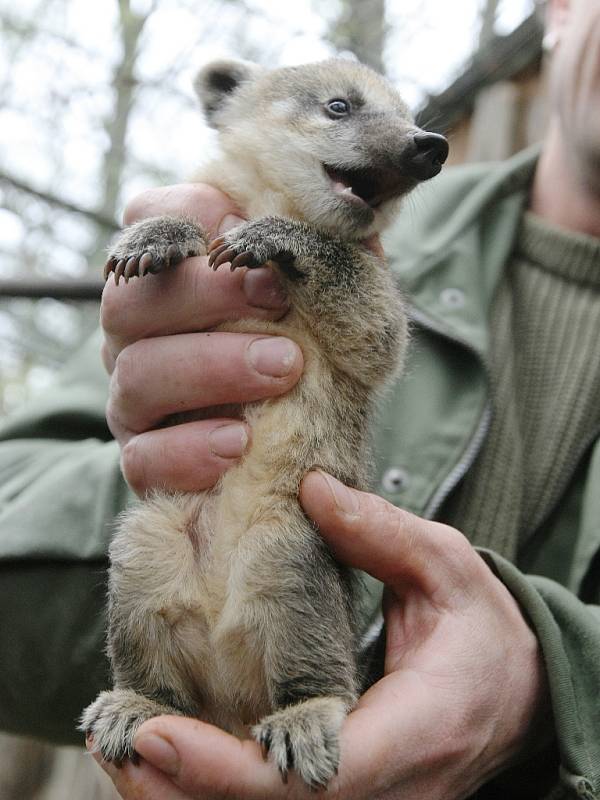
pixel 522 724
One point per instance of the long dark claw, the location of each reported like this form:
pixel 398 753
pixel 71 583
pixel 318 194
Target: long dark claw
pixel 220 240
pixel 223 258
pixel 243 260
pixel 284 775
pixel 131 268
pixel 145 263
pixel 215 253
pixel 265 746
pixel 173 255
pixel 119 270
pixel 109 267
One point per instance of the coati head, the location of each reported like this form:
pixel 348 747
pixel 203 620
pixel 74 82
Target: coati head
pixel 331 143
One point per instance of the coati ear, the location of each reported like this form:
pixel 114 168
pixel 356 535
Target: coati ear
pixel 217 81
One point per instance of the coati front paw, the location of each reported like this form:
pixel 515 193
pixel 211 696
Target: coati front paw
pixel 153 245
pixel 250 245
pixel 304 737
pixel 113 719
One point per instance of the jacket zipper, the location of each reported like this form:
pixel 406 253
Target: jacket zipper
pixel 463 466
pixel 473 447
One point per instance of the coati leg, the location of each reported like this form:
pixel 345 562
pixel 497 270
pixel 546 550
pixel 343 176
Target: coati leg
pixel 290 602
pixel 113 719
pixel 304 737
pixel 156 630
pixel 153 245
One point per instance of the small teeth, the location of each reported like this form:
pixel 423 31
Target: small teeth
pixel 343 188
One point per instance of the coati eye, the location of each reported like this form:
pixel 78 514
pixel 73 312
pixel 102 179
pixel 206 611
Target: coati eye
pixel 337 108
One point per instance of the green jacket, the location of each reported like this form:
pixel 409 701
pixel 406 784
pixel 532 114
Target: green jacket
pixel 449 254
pixel 60 490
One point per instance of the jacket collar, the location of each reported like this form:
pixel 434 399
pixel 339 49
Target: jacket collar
pixel 451 267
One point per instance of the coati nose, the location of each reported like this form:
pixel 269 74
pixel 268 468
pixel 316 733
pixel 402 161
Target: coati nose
pixel 426 155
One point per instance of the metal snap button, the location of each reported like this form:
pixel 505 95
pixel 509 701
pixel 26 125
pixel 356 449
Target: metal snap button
pixel 452 297
pixel 394 480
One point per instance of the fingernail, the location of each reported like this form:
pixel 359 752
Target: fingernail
pixel 228 441
pixel 158 752
pixel 344 498
pixel 264 290
pixel 274 356
pixel 229 221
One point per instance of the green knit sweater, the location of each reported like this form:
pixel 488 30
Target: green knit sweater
pixel 545 373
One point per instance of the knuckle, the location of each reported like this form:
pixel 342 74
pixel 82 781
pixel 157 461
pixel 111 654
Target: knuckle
pixel 126 377
pixel 113 316
pixel 438 543
pixel 395 521
pixel 451 549
pixel 452 542
pixel 113 414
pixel 133 465
pixel 108 360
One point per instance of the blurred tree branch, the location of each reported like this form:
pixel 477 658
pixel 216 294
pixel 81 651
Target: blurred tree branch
pixel 71 289
pixel 361 29
pixel 489 12
pixel 117 121
pixel 107 223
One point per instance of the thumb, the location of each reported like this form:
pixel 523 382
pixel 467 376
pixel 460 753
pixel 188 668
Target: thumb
pixel 205 761
pixel 397 547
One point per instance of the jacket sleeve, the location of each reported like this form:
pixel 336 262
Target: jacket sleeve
pixel 60 491
pixel 569 634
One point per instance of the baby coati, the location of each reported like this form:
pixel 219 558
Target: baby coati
pixel 226 605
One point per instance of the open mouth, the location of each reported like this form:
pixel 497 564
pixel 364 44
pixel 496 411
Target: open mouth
pixel 366 187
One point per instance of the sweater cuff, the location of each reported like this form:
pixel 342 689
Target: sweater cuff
pixel 569 636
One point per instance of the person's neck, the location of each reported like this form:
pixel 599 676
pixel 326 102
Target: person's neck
pixel 559 195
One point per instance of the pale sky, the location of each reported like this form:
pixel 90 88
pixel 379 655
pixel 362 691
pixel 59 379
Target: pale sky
pixel 178 39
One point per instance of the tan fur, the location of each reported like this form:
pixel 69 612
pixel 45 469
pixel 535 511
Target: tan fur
pixel 226 604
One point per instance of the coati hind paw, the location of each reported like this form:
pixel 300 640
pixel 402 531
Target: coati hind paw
pixel 304 737
pixel 112 721
pixel 153 245
pixel 250 244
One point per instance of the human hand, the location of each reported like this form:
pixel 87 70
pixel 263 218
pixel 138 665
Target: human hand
pixel 163 358
pixel 463 691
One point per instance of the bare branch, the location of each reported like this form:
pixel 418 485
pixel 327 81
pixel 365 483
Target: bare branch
pixel 57 289
pixel 60 202
pixel 489 12
pixel 361 29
